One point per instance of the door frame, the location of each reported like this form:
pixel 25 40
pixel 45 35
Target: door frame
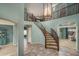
pixel 29 34
pixel 9 22
pixel 58 31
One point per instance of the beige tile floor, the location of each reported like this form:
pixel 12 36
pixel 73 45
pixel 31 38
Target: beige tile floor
pixel 39 50
pixel 67 48
pixel 67 43
pixel 8 50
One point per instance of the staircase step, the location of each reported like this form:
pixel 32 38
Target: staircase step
pixel 49 37
pixel 51 44
pixel 51 47
pixel 46 34
pixel 50 40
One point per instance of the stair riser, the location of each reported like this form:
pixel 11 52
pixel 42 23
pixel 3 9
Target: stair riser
pixel 50 40
pixel 52 48
pixel 49 37
pixel 51 43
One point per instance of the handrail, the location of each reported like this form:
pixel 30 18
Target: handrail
pixel 40 26
pixel 53 33
pixel 66 11
pixel 55 36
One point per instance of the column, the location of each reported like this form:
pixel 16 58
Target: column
pixel 20 35
pixel 29 34
pixel 77 37
pixel 14 35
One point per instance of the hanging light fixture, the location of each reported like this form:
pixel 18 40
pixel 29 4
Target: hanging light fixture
pixel 47 9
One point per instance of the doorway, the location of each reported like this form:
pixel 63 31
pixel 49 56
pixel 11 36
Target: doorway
pixel 7 46
pixel 68 36
pixel 27 36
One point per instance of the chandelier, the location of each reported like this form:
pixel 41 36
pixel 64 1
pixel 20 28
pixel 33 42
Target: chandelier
pixel 47 10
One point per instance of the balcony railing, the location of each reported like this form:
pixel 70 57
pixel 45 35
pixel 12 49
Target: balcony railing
pixel 66 11
pixel 62 12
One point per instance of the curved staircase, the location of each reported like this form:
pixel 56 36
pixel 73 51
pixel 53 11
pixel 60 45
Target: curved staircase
pixel 51 39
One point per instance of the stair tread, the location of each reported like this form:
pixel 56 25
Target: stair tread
pixel 52 43
pixel 50 40
pixel 51 46
pixel 48 37
pixel 46 34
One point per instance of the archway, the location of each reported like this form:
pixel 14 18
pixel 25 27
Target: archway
pixel 7 37
pixel 68 37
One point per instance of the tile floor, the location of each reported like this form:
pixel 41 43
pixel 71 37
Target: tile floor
pixel 8 50
pixel 67 48
pixel 39 50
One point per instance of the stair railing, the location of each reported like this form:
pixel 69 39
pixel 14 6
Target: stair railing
pixel 53 32
pixel 55 36
pixel 40 26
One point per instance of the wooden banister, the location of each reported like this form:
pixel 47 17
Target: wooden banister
pixel 53 34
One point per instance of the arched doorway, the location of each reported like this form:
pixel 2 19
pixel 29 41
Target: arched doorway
pixel 68 38
pixel 7 37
